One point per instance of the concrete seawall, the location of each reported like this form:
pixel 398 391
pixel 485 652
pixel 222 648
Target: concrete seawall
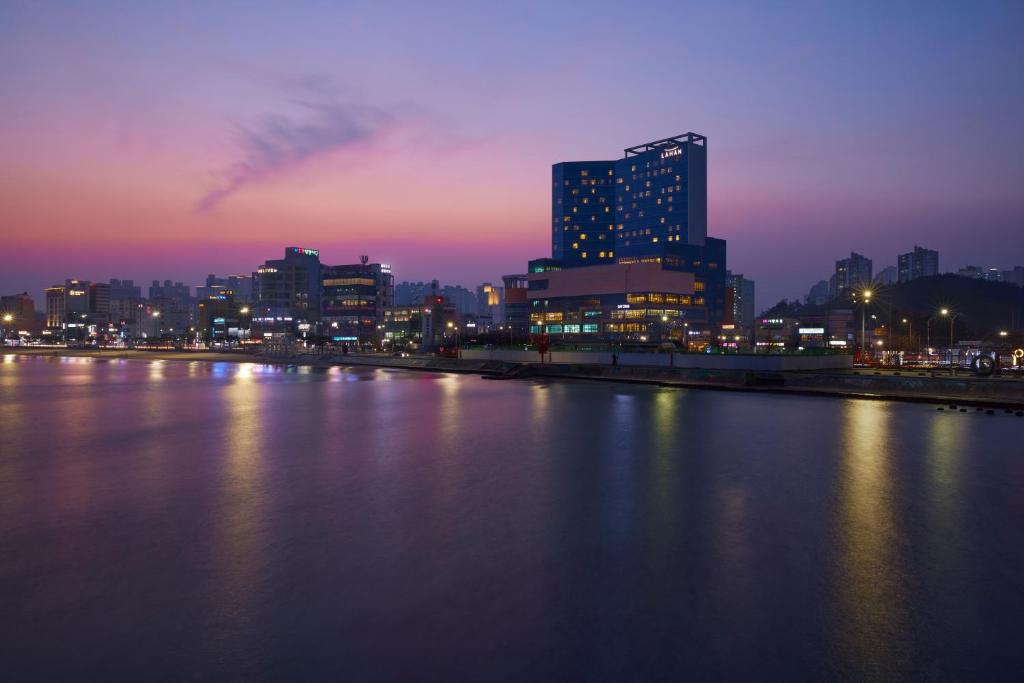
pixel 1003 393
pixel 755 363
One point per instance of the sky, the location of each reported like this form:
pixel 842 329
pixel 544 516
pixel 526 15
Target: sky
pixel 170 140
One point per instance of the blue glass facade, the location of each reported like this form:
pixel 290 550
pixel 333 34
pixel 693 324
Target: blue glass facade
pixel 583 213
pixel 649 206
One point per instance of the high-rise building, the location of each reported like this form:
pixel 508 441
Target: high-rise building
pixel 490 305
pixel 887 276
pixel 177 292
pixel 353 299
pixel 124 289
pixel 918 263
pixel 583 212
pixel 818 294
pixel 411 293
pixel 287 291
pixel 851 274
pixel 99 302
pixel 742 295
pixel 659 216
pixel 67 305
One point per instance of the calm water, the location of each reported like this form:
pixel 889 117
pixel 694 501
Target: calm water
pixel 174 520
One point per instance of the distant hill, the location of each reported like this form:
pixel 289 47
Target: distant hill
pixel 985 307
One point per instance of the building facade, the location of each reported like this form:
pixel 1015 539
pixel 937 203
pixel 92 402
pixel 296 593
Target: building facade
pixel 851 274
pixel 920 262
pixel 353 301
pixel 583 212
pixel 287 292
pixel 740 294
pixel 658 216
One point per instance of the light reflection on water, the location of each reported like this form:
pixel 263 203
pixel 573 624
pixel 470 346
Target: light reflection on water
pixel 180 519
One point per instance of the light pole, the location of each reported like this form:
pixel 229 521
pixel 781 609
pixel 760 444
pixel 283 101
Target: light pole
pixel 458 341
pixel 865 300
pixel 952 318
pixel 910 333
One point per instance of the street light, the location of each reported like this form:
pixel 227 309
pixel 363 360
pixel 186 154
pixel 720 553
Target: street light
pixel 952 318
pixel 865 300
pixel 910 332
pixel 458 341
pixel 243 310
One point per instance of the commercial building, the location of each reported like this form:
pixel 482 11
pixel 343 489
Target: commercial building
pixel 240 286
pixel 615 224
pixel 18 314
pixel 920 262
pixel 287 292
pixel 99 303
pixel 490 306
pixel 740 300
pixel 851 274
pixel 636 301
pixel 221 318
pixel 517 306
pixel 67 308
pixel 403 327
pixel 353 301
pixel 583 213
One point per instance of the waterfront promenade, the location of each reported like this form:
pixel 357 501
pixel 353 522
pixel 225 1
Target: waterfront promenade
pixel 918 385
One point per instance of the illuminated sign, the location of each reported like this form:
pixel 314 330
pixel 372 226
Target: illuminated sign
pixel 837 342
pixel 305 252
pixel 1018 353
pixel 623 306
pixel 75 292
pixel 672 152
pixel 267 270
pixel 812 330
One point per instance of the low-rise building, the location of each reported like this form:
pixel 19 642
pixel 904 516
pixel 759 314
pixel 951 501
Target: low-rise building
pixel 636 302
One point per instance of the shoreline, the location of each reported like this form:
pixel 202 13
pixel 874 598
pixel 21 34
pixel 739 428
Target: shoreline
pixel 943 391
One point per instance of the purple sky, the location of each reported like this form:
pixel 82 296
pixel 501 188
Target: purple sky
pixel 168 140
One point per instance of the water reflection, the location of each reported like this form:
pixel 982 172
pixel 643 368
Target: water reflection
pixel 241 547
pixel 870 585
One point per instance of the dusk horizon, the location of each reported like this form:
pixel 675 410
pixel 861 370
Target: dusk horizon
pixel 167 143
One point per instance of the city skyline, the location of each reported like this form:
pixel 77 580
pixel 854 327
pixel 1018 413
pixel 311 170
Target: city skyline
pixel 168 143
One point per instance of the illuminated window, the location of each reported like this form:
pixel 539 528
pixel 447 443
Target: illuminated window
pixel 583 236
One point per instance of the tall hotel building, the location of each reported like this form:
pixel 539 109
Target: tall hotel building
pixel 644 219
